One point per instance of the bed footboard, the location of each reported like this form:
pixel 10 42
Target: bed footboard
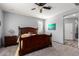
pixel 34 43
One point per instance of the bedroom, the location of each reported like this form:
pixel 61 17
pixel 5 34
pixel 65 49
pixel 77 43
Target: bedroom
pixel 13 16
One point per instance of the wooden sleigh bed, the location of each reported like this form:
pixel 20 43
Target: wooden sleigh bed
pixel 33 42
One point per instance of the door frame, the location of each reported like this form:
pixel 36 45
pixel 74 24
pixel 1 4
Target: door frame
pixel 64 30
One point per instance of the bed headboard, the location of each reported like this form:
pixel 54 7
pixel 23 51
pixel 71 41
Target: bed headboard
pixel 23 30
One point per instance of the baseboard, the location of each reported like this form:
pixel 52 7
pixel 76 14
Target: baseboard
pixel 58 42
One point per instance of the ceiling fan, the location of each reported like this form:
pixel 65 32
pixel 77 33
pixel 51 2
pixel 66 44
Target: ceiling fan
pixel 42 6
pixel 77 4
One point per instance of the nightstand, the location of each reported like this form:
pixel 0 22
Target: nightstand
pixel 10 40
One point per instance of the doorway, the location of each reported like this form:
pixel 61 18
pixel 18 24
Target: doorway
pixel 71 31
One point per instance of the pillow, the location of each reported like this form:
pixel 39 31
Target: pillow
pixel 25 35
pixel 33 34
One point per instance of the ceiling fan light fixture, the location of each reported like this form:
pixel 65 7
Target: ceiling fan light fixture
pixel 41 10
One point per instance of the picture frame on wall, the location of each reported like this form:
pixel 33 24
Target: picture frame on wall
pixel 52 26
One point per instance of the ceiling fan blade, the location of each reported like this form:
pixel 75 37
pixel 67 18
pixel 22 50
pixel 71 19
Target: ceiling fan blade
pixel 77 4
pixel 41 10
pixel 47 7
pixel 33 8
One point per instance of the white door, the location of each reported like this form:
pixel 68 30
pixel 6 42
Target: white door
pixel 69 31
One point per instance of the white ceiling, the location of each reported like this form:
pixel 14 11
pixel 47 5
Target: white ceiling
pixel 25 9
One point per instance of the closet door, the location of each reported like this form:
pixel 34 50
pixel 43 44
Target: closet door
pixel 69 31
pixel 40 27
